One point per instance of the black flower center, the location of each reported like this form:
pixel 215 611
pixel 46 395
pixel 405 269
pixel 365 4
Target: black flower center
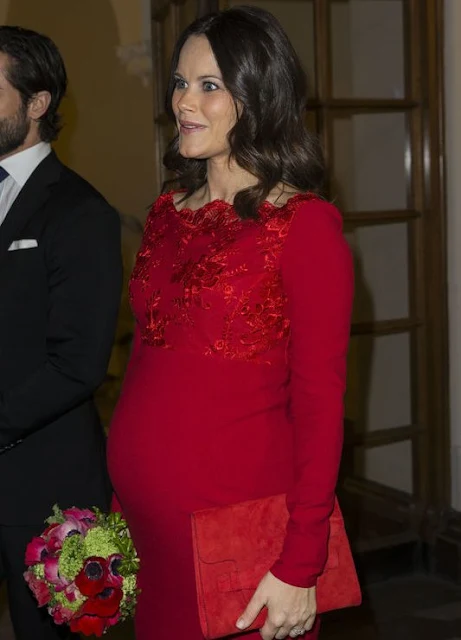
pixel 115 566
pixel 93 570
pixel 106 593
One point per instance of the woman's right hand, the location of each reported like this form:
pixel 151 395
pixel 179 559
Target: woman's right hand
pixel 291 610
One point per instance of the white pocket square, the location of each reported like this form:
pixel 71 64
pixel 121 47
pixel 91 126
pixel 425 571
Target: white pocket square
pixel 22 244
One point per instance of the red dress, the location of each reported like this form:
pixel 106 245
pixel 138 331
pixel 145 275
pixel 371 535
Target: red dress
pixel 234 389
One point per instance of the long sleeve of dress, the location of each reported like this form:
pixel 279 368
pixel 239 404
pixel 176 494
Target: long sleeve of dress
pixel 317 278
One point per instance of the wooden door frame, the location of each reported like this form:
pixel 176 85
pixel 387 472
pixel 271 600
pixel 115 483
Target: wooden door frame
pixel 420 514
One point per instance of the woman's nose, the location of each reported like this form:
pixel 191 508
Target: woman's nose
pixel 186 101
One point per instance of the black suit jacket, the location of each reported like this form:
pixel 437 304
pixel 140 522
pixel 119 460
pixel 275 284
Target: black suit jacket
pixel 58 311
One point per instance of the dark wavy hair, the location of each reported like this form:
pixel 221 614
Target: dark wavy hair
pixel 35 64
pixel 262 72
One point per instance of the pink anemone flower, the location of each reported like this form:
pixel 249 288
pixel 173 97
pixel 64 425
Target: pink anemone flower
pixel 72 593
pixel 52 574
pixel 83 515
pixel 36 551
pixel 60 614
pixel 71 526
pixel 38 587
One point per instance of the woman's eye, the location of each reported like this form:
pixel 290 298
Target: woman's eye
pixel 209 86
pixel 179 83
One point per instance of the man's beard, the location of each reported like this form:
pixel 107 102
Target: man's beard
pixel 13 131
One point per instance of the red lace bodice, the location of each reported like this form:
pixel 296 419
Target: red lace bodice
pixel 223 295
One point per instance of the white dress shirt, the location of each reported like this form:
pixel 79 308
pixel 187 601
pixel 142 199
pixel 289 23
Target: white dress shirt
pixel 20 167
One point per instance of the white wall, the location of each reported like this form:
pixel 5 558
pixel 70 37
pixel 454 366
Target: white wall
pixel 453 175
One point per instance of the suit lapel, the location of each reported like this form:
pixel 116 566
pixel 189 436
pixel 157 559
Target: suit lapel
pixel 31 198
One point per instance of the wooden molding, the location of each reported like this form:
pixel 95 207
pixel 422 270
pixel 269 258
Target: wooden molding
pixel 444 539
pixel 392 531
pixel 377 516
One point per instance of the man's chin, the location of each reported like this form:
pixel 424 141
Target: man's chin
pixel 13 136
pixel 11 147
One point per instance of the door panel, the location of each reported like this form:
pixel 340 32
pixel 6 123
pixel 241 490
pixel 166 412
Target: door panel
pixel 389 465
pixel 367 48
pixel 382 272
pixel 382 373
pixel 370 160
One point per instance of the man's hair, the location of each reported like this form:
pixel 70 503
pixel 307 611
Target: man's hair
pixel 34 65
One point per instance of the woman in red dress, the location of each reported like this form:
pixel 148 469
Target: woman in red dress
pixel 242 293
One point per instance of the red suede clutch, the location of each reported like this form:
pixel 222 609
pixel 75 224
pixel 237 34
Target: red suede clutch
pixel 235 546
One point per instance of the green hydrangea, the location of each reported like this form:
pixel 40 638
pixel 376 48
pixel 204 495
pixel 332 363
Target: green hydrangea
pixel 60 598
pixel 99 542
pixel 130 592
pixel 39 571
pixel 129 586
pixel 72 556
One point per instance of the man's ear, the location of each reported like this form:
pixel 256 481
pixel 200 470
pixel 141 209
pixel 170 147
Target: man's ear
pixel 38 105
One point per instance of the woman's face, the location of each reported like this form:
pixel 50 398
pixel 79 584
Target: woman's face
pixel 204 109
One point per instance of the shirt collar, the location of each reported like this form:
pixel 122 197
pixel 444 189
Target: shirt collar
pixel 21 165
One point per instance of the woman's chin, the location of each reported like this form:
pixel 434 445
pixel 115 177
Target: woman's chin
pixel 191 154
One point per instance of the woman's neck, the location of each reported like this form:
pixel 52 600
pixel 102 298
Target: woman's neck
pixel 224 179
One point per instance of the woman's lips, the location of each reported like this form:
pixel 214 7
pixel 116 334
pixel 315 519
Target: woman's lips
pixel 187 128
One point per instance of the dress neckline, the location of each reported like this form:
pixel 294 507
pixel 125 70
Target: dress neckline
pixel 219 211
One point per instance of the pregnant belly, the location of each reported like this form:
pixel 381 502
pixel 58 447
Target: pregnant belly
pixel 191 432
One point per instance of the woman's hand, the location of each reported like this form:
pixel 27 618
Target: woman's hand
pixel 290 610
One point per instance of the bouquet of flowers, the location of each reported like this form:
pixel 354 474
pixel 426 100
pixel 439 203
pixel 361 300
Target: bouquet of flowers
pixel 83 569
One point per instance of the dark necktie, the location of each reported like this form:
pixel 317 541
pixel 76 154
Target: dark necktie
pixel 3 174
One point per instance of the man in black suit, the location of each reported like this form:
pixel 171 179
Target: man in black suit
pixel 60 285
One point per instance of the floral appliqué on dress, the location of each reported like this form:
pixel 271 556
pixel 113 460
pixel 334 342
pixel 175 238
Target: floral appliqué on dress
pixel 196 266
